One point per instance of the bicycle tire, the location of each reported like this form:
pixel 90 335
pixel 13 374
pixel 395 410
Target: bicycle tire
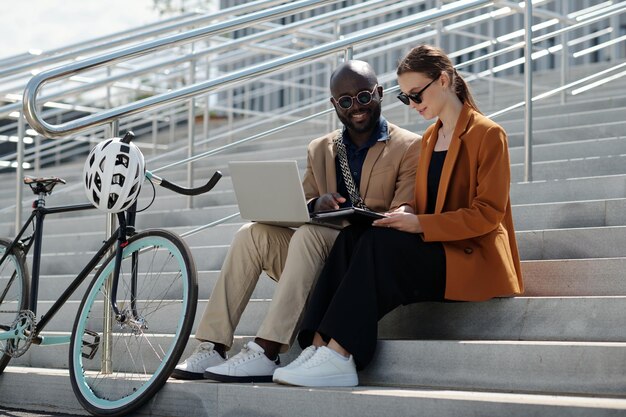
pixel 141 358
pixel 14 291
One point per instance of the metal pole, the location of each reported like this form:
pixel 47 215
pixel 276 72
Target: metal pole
pixel 564 53
pixel 438 27
pixel 191 130
pixel 614 51
pixel 528 93
pixel 206 119
pixel 107 325
pixel 349 54
pixel 19 171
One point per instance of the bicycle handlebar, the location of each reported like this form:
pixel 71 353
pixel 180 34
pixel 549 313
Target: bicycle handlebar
pixel 183 190
pixel 129 136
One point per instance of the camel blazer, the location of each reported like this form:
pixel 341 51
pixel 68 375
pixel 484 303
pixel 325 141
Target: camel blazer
pixel 388 175
pixel 473 210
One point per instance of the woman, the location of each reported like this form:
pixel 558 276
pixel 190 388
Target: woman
pixel 456 243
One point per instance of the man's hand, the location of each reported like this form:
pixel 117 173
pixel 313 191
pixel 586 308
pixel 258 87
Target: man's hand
pixel 329 201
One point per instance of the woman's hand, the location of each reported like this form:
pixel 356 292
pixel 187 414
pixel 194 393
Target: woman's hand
pixel 400 220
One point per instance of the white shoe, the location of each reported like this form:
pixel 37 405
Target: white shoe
pixel 203 356
pixel 324 369
pixel 249 365
pixel 304 356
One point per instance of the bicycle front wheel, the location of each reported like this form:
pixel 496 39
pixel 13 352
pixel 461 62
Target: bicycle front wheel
pixel 115 372
pixel 14 294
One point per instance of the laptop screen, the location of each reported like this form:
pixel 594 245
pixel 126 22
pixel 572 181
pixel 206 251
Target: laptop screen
pixel 269 192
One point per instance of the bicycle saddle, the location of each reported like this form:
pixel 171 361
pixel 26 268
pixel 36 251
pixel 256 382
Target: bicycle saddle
pixel 43 184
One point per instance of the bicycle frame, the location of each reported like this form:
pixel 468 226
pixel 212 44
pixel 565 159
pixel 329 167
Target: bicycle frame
pixel 37 216
pixel 126 221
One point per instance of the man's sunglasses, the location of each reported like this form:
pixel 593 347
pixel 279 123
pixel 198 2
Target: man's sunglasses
pixel 415 97
pixel 363 97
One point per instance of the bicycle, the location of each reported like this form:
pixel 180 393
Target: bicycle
pixel 135 318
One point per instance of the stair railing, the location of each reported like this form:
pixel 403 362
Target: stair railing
pixel 229 82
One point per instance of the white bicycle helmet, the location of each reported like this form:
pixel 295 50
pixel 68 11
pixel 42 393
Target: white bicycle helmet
pixel 114 172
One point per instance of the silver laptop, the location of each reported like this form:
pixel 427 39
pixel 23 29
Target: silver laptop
pixel 271 192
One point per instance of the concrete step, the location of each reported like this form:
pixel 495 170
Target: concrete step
pixel 570 214
pixel 575 277
pixel 571 150
pixel 528 217
pixel 571 189
pixel 593 157
pixel 572 106
pixel 576 167
pixel 517 318
pixel 580 117
pixel 575 243
pixel 536 216
pixel 207 398
pixel 567 133
pixel 57 356
pixel 550 278
pixel 588 368
pixel 50 285
pixel 93 222
pixel 582 318
pixel 572 168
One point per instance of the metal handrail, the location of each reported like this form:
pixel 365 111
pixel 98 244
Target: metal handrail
pixel 519 45
pixel 35 58
pixel 33 86
pixel 585 22
pixel 125 37
pixel 284 29
pixel 47 129
pixel 456 25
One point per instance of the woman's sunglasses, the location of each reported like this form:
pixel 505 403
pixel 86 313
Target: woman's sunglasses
pixel 415 97
pixel 363 97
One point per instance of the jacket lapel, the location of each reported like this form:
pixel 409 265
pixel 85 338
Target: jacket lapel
pixel 421 180
pixel 451 156
pixel 331 172
pixel 372 156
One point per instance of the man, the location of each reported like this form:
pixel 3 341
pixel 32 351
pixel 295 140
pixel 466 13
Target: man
pixel 379 162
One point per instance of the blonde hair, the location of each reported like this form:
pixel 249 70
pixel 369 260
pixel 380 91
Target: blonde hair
pixel 433 61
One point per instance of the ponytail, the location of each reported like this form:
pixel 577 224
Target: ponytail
pixel 463 91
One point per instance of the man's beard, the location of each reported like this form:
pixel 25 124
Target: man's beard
pixel 373 119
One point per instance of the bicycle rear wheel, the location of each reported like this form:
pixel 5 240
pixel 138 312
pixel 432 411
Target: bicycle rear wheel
pixel 143 351
pixel 14 292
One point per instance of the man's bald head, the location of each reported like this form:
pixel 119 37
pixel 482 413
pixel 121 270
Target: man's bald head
pixel 350 70
pixel 349 80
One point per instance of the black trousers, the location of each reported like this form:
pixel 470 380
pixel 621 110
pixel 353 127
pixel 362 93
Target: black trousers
pixel 369 272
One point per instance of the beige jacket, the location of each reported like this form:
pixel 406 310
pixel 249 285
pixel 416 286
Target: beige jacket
pixel 388 175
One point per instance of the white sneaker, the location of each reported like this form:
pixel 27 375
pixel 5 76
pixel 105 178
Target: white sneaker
pixel 249 365
pixel 203 356
pixel 304 356
pixel 324 369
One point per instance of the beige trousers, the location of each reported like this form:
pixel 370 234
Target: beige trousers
pixel 291 257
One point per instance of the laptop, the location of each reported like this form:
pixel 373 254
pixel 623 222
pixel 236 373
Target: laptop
pixel 271 192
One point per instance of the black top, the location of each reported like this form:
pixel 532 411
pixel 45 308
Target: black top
pixel 434 175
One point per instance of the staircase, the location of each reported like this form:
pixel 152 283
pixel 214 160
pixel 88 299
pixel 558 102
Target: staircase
pixel 557 350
